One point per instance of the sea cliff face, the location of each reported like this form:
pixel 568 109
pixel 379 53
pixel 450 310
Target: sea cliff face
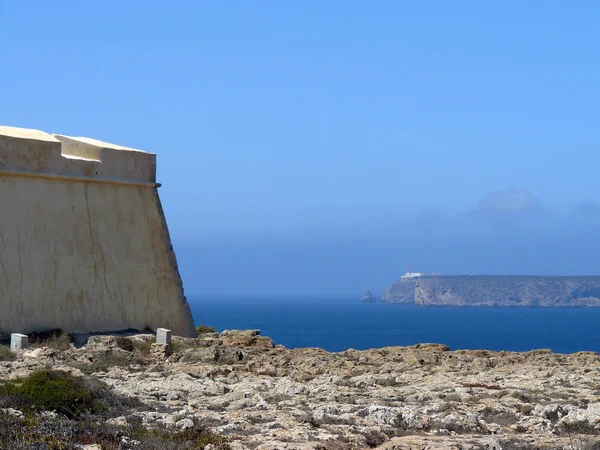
pixel 540 291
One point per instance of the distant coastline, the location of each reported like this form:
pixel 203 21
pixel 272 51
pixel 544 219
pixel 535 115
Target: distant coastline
pixel 495 290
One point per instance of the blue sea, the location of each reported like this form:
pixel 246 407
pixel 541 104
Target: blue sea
pixel 340 324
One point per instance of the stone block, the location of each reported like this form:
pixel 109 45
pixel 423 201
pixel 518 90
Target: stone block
pixel 161 351
pixel 18 341
pixel 163 336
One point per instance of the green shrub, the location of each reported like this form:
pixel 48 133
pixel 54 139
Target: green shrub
pixel 6 354
pixel 90 402
pixel 161 437
pixel 142 346
pixel 53 391
pixel 56 339
pixel 60 433
pixel 103 362
pixel 128 344
pixel 374 438
pixel 197 437
pixel 202 329
pixel 526 409
pixel 124 343
pixel 180 345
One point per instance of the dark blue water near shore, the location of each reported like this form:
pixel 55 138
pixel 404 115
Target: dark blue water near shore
pixel 337 325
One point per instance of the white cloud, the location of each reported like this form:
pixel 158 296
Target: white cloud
pixel 509 203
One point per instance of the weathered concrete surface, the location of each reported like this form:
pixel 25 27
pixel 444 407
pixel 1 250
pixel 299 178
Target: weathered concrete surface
pixel 84 241
pixel 482 290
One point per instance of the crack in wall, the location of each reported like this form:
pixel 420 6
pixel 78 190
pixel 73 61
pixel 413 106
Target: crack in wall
pixel 95 245
pixel 4 250
pixel 20 273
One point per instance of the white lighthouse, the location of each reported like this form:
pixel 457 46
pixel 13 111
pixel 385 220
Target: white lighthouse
pixel 411 274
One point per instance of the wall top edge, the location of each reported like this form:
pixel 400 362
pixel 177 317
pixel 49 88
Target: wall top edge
pixel 38 135
pixel 27 150
pixel 26 133
pixel 97 143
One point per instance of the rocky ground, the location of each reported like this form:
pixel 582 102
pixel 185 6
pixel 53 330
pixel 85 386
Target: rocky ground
pixel 261 396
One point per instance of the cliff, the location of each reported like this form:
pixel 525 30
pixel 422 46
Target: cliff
pixel 85 244
pixel 483 290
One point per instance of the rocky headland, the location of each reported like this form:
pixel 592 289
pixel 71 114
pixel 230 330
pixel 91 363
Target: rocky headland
pixel 238 390
pixel 485 290
pixel 368 297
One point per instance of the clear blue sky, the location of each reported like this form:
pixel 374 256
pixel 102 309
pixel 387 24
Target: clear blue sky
pixel 319 148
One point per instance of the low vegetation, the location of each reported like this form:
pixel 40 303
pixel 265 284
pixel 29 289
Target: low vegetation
pixel 55 339
pixel 56 410
pixel 60 392
pixel 6 354
pixel 59 433
pixel 202 329
pixel 105 361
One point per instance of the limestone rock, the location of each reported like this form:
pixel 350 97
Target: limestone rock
pixel 246 338
pixel 423 396
pixel 37 353
pixel 185 424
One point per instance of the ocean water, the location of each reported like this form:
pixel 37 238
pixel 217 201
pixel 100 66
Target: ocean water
pixel 340 324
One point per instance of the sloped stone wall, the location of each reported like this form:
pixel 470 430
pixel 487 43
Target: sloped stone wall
pixel 84 244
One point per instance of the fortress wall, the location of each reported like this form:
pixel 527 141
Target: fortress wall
pixel 83 239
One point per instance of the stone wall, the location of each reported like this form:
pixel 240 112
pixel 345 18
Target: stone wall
pixel 84 242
